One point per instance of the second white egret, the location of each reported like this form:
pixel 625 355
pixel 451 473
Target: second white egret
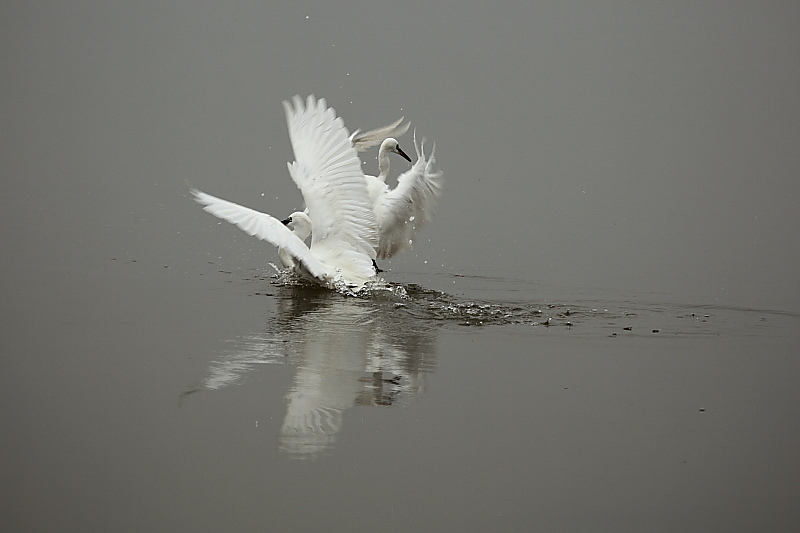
pixel 404 210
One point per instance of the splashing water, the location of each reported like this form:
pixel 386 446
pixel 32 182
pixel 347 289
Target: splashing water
pixel 579 316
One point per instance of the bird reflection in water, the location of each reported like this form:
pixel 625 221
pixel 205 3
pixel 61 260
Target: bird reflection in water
pixel 347 351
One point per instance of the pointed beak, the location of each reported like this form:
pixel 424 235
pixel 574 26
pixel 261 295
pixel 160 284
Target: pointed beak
pixel 402 154
pixel 286 221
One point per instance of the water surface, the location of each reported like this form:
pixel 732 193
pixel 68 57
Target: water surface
pixel 229 401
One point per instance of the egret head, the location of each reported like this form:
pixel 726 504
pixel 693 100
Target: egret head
pixel 391 145
pixel 299 223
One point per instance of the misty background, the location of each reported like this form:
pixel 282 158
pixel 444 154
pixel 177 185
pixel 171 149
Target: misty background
pixel 616 145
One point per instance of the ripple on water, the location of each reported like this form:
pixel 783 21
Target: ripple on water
pixel 623 317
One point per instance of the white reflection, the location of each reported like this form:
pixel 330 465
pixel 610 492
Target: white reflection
pixel 348 351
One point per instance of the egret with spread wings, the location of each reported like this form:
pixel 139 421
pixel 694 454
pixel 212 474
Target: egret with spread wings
pixel 401 212
pixel 340 215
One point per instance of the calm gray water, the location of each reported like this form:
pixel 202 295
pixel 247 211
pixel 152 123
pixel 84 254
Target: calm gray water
pixel 598 332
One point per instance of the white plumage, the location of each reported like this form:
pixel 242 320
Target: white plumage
pixel 364 141
pixel 344 232
pixel 404 210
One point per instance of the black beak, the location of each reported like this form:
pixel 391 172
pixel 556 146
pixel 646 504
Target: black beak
pixel 402 154
pixel 287 221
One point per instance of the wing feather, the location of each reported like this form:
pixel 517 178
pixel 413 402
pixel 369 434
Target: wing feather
pixel 404 210
pixel 364 141
pixel 264 227
pixel 328 173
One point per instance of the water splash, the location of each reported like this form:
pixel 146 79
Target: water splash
pixel 415 301
pixel 615 316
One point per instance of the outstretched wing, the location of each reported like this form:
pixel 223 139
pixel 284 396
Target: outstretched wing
pixel 364 141
pixel 328 173
pixel 264 227
pixel 405 209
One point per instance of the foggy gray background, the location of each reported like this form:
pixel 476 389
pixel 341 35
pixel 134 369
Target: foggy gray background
pixel 620 144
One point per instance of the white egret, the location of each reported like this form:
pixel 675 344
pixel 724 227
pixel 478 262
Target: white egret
pixel 362 142
pixel 404 210
pixel 344 233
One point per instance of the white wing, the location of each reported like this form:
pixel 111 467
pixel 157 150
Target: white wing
pixel 328 173
pixel 264 227
pixel 405 209
pixel 364 141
